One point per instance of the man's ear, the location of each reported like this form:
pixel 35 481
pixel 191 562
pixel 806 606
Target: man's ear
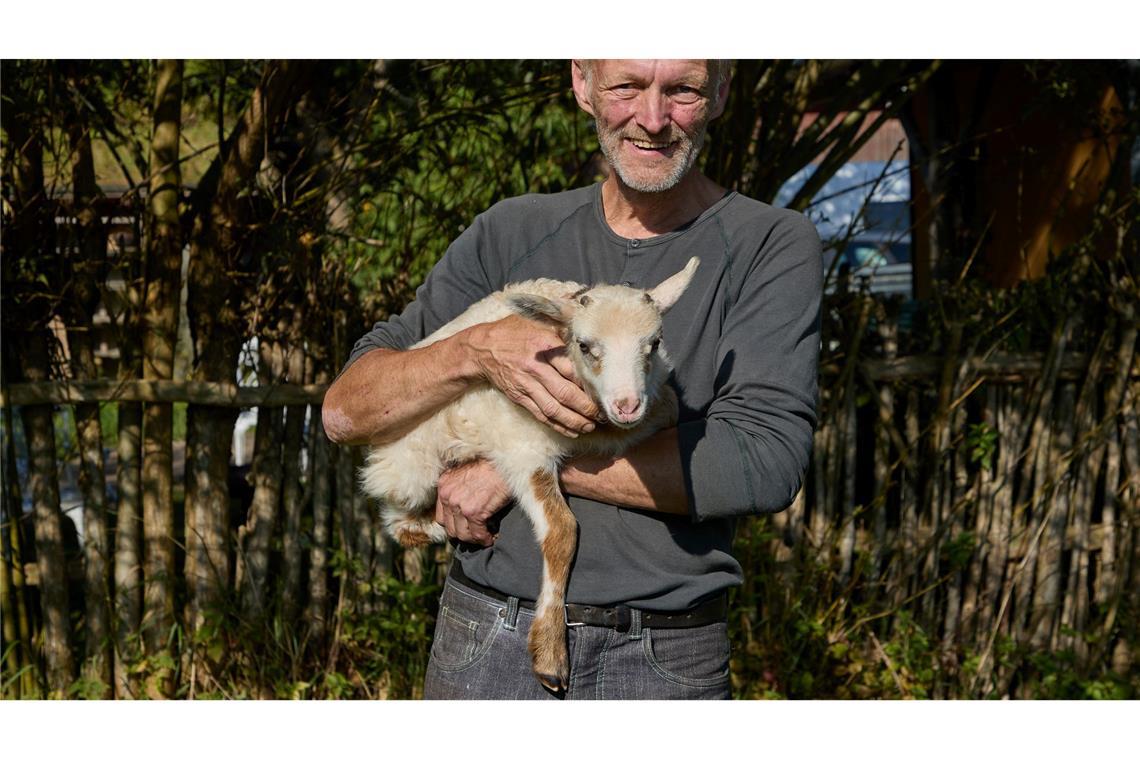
pixel 550 311
pixel 581 92
pixel 722 95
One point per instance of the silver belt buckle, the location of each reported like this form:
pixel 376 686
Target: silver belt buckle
pixel 566 619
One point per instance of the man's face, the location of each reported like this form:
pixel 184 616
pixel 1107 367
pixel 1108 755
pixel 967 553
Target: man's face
pixel 651 117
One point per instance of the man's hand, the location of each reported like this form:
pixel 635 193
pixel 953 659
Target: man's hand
pixel 528 363
pixel 467 497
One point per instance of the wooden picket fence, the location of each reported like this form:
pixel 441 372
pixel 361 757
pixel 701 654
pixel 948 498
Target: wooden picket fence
pixel 995 498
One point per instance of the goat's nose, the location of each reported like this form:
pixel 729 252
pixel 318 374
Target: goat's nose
pixel 628 406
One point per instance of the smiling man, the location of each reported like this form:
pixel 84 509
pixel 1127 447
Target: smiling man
pixel 646 598
pixel 651 148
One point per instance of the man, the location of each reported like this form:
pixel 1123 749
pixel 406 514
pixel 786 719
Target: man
pixel 645 602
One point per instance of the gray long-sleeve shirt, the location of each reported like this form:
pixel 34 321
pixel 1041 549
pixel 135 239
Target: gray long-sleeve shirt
pixel 744 341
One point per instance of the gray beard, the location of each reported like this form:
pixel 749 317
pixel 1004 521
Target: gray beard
pixel 669 181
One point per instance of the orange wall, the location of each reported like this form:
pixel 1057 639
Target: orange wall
pixel 1038 168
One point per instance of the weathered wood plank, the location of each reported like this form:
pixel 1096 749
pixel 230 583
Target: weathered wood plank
pixel 317 606
pixel 156 391
pixel 995 367
pixel 908 509
pixel 998 367
pixel 883 427
pixel 1048 600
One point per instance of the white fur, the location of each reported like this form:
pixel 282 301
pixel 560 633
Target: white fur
pixel 618 322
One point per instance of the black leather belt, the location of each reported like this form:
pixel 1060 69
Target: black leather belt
pixel 620 617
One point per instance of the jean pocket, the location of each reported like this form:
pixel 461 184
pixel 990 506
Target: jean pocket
pixel 689 656
pixel 463 634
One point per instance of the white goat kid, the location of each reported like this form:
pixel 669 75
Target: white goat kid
pixel 613 338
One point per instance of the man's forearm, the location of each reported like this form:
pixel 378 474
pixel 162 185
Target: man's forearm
pixel 646 477
pixel 385 393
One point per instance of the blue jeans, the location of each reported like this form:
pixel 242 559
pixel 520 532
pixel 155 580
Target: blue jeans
pixel 480 652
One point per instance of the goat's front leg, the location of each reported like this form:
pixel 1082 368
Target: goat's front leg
pixel 557 533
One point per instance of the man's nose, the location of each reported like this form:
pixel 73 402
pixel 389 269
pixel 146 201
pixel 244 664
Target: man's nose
pixel 653 114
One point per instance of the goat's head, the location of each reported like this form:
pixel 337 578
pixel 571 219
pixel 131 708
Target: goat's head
pixel 613 338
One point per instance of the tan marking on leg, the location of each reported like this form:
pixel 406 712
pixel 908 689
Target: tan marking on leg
pixel 562 529
pixel 547 640
pixel 412 537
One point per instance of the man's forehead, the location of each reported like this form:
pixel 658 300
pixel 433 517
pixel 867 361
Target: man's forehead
pixel 649 67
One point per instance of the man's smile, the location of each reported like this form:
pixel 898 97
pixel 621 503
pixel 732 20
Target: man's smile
pixel 649 144
pixel 661 148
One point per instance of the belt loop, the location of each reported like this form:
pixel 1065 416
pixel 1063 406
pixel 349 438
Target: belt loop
pixel 634 624
pixel 512 613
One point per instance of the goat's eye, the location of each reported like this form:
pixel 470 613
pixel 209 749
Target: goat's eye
pixel 653 346
pixel 584 347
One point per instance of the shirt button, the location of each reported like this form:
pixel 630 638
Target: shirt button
pixel 635 243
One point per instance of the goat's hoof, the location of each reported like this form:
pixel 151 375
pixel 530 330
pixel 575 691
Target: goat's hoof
pixel 548 656
pixel 552 668
pixel 553 672
pixel 554 683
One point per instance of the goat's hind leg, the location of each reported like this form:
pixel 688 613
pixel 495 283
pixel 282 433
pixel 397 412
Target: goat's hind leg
pixel 404 480
pixel 414 528
pixel 557 533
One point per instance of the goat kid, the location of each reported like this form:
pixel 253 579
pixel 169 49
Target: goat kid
pixel 613 338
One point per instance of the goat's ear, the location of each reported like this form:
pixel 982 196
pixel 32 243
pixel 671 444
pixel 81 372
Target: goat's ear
pixel 540 308
pixel 667 293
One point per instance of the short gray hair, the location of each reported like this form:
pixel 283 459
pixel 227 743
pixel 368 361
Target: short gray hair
pixel 720 70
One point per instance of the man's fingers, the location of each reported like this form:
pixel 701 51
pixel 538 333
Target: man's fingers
pixel 444 517
pixel 563 387
pixel 563 366
pixel 467 497
pixel 547 410
pixel 574 398
pixel 471 532
pixel 458 526
pixel 478 534
pixel 554 412
pixel 535 373
pixel 526 402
